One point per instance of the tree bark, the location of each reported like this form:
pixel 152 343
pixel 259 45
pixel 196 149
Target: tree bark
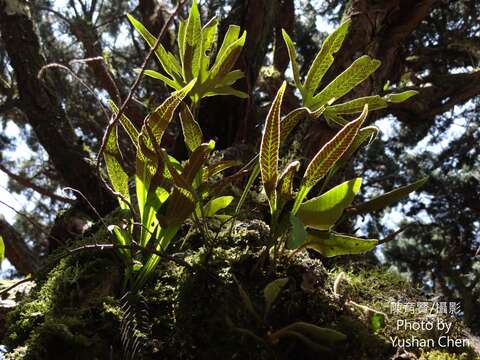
pixel 44 110
pixel 16 250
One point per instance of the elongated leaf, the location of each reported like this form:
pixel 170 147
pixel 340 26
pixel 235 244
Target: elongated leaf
pixel 130 129
pixel 304 339
pixel 2 249
pixel 156 75
pixel 290 121
pixel 299 233
pixel 160 118
pixel 182 26
pixel 388 199
pixel 355 106
pixel 215 205
pixel 324 211
pixel 226 90
pixel 324 58
pixel 214 169
pixel 117 175
pixel 192 133
pixel 232 34
pixel 400 97
pixel 209 32
pixel 193 44
pixel 285 183
pixel 271 292
pixel 251 179
pixel 356 73
pixel 231 78
pixel 227 59
pixel 293 59
pixel 269 148
pixel 327 156
pixel 167 60
pixel 334 244
pixel 366 134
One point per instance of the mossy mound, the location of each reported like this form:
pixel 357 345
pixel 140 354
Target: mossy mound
pixel 206 310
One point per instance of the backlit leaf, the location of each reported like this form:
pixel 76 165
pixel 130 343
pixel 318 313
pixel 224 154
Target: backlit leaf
pixel 193 44
pixel 388 199
pixel 167 60
pixel 334 244
pixel 160 118
pixel 130 129
pixel 400 97
pixel 285 182
pixel 192 133
pixel 324 58
pixel 355 106
pixel 269 148
pixel 327 156
pixel 156 75
pixel 215 205
pixel 293 59
pixel 323 212
pixel 227 59
pixel 290 121
pixel 355 74
pixel 116 174
pixel 209 32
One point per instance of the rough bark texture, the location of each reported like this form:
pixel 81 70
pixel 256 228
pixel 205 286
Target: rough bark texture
pixel 232 119
pixel 43 108
pixel 16 250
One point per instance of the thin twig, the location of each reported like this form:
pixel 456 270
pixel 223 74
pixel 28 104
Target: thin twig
pixel 29 184
pixel 34 223
pixel 11 287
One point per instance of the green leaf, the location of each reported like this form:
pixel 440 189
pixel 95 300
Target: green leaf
pixel 293 59
pixel 285 182
pixel 193 44
pixel 333 244
pixel 269 148
pixel 158 121
pixel 251 179
pixel 214 169
pixel 116 174
pixel 324 211
pixel 215 205
pixel 192 133
pixel 2 249
pixel 355 74
pixel 400 97
pixel 231 78
pixel 299 233
pixel 226 59
pixel 130 129
pixel 367 133
pixel 271 292
pixel 290 121
pixel 167 60
pixel 387 199
pixel 324 58
pixel 156 75
pixel 226 90
pixel 232 34
pixel 327 156
pixel 355 106
pixel 209 32
pixel 182 25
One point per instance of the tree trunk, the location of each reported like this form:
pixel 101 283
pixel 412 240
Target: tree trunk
pixel 44 110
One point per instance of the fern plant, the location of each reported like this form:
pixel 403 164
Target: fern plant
pixel 195 58
pixel 167 192
pixel 312 222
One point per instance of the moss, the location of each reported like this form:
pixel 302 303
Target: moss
pixel 197 312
